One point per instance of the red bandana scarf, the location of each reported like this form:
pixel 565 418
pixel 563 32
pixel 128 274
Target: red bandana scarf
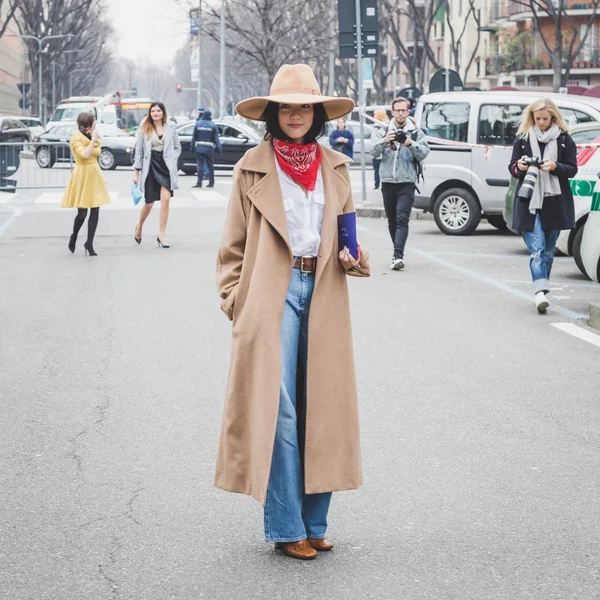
pixel 300 161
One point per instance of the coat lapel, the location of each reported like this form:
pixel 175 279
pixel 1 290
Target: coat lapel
pixel 266 193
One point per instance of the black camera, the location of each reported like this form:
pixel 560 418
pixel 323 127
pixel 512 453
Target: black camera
pixel 400 136
pixel 533 161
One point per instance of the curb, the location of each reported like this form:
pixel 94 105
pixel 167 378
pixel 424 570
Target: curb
pixel 595 314
pixel 376 212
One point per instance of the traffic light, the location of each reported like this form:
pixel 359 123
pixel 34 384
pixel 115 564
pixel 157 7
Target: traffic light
pixel 179 88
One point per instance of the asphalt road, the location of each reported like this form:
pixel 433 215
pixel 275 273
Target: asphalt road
pixel 480 420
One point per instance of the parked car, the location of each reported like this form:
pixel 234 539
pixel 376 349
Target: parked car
pixel 117 146
pixel 590 241
pixel 34 125
pixel 463 184
pixel 583 185
pixel 12 131
pixel 236 140
pixel 354 127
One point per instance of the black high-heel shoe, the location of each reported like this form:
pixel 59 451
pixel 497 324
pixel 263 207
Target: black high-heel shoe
pixel 137 239
pixel 72 241
pixel 161 245
pixel 89 249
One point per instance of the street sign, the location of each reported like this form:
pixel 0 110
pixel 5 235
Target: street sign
pixel 410 93
pixel 24 88
pixel 24 103
pixel 134 92
pixel 231 108
pixel 445 80
pixel 347 27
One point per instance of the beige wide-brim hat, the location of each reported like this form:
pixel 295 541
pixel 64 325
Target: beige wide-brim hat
pixel 295 84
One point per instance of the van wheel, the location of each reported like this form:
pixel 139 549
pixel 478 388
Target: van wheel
pixel 497 221
pixel 577 251
pixel 457 212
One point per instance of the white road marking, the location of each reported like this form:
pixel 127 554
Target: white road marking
pixel 578 332
pixel 49 198
pixel 16 213
pixel 208 194
pixel 565 312
pixel 5 198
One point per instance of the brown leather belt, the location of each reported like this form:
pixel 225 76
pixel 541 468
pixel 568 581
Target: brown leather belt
pixel 306 264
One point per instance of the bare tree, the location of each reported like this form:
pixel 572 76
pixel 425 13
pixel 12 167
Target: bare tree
pixel 568 39
pixel 472 18
pixel 88 67
pixel 10 8
pixel 420 17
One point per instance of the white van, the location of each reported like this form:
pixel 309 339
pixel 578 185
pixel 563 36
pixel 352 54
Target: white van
pixel 68 110
pixel 463 184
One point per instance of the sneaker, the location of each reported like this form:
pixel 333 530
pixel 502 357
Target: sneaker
pixel 541 302
pixel 198 185
pixel 397 264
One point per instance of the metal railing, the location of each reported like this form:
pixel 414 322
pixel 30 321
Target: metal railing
pixel 34 165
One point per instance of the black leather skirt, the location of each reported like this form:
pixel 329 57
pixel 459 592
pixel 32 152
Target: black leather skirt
pixel 158 176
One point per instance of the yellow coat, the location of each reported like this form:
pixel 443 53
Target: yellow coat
pixel 86 188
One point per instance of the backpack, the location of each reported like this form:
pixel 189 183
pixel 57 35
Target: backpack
pixel 418 165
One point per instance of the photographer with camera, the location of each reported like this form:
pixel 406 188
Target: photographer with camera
pixel 402 147
pixel 544 159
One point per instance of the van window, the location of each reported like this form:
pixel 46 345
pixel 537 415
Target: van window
pixel 572 117
pixel 498 124
pixel 446 120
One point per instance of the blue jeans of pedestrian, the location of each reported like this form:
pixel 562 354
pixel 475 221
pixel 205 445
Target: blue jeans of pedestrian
pixel 542 246
pixel 290 514
pixel 376 165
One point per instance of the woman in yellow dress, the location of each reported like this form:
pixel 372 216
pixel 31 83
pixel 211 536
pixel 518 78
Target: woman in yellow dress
pixel 86 188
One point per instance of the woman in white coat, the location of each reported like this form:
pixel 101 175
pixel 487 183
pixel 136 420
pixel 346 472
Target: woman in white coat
pixel 156 157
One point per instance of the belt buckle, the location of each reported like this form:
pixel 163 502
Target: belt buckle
pixel 302 269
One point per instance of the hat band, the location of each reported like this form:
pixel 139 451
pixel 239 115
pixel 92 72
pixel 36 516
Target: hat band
pixel 295 90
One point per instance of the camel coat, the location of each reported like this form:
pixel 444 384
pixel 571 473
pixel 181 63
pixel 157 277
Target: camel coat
pixel 254 267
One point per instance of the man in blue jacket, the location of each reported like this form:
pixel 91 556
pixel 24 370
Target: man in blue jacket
pixel 204 141
pixel 342 139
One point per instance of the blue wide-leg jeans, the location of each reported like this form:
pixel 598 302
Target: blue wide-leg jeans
pixel 542 247
pixel 291 514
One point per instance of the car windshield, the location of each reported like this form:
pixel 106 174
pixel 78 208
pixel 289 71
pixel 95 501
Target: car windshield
pixel 67 113
pixel 585 137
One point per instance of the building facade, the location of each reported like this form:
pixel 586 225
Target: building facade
pixel 494 43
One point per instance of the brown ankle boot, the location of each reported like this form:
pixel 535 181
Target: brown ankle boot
pixel 320 544
pixel 301 549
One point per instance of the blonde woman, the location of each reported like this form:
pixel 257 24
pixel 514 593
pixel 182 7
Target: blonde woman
pixel 86 188
pixel 156 156
pixel 544 159
pixel 290 434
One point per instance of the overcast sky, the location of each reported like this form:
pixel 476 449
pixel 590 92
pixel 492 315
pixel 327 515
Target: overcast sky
pixel 148 28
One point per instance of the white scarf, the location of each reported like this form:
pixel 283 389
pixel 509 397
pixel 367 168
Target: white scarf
pixel 546 184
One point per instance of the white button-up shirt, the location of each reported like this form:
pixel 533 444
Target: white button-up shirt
pixel 304 215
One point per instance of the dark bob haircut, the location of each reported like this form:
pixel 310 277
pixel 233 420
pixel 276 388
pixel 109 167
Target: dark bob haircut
pixel 85 120
pixel 273 130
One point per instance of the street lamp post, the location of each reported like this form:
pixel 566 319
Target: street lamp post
pixel 222 74
pixel 199 53
pixel 40 41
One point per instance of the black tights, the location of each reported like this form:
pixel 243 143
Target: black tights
pixel 92 222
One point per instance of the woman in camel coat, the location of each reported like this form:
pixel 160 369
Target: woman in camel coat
pixel 256 271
